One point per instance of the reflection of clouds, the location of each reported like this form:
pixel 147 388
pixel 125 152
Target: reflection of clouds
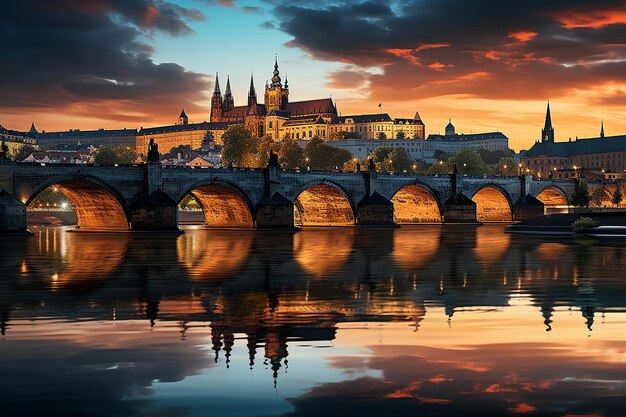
pixel 501 379
pixel 94 370
pixel 208 254
pixel 323 252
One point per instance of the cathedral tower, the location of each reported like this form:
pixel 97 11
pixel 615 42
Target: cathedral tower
pixel 217 111
pixel 229 102
pixel 547 133
pixel 253 121
pixel 276 97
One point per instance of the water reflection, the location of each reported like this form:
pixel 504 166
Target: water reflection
pixel 437 320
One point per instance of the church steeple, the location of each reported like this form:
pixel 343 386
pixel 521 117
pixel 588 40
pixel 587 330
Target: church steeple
pixel 217 110
pixel 33 130
pixel 276 78
pixel 229 101
pixel 602 129
pixel 547 133
pixel 251 93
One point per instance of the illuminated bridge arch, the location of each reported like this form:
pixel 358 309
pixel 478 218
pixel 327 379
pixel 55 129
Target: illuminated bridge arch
pixel 223 204
pixel 98 207
pixel 415 203
pixel 323 204
pixel 553 196
pixel 492 205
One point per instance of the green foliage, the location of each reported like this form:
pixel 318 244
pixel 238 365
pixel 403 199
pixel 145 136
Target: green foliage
pixel 494 157
pixel 581 198
pixel 401 135
pixel 419 166
pixel 381 136
pixel 600 197
pixel 582 224
pixel 23 152
pixel 381 154
pixel 439 168
pixel 325 157
pixel 265 145
pixel 398 161
pixel 240 147
pixel 617 197
pixel 506 167
pixel 468 162
pixel 441 155
pixel 111 155
pixel 291 155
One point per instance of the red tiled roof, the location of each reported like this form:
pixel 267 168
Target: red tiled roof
pixel 324 105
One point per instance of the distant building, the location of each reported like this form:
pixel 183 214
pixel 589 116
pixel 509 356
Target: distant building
pixel 453 143
pixel 100 137
pixel 373 126
pixel 14 139
pixel 603 155
pixel 363 148
pixel 168 137
pixel 60 157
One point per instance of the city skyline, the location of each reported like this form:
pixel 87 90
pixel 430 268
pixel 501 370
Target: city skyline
pixel 161 56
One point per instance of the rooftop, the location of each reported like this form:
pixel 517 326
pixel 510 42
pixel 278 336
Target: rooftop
pixel 579 146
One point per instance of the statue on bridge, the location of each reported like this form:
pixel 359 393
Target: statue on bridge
pixel 153 152
pixel 273 160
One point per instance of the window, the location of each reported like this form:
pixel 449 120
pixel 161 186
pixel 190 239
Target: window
pixel 270 124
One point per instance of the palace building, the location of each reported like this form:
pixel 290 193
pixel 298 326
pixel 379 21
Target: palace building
pixel 277 116
pixel 602 155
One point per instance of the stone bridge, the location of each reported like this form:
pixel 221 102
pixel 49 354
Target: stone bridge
pixel 146 196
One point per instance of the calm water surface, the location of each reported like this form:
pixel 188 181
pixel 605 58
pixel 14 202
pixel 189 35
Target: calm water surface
pixel 425 321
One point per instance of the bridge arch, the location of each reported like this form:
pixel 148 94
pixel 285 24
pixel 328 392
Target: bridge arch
pixel 98 207
pixel 323 203
pixel 416 203
pixel 553 196
pixel 493 204
pixel 223 204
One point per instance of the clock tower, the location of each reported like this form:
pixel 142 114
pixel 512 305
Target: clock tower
pixel 547 133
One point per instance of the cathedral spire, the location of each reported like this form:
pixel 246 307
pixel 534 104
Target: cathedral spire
pixel 216 89
pixel 229 101
pixel 251 92
pixel 602 128
pixel 547 133
pixel 276 78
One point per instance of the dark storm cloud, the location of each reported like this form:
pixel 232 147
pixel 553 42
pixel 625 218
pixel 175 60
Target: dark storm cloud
pixel 483 48
pixel 66 52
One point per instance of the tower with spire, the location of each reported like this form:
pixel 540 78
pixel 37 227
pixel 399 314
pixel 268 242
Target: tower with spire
pixel 254 115
pixel 182 119
pixel 229 101
pixel 217 110
pixel 602 128
pixel 276 95
pixel 547 133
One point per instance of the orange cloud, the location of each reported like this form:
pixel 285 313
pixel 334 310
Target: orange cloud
pixel 523 36
pixel 585 18
pixel 522 408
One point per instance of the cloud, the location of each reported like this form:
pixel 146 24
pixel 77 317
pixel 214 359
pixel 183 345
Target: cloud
pixel 75 55
pixel 495 50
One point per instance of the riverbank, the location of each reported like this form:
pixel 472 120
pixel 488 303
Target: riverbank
pixel 609 224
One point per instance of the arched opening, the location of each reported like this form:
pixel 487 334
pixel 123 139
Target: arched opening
pixel 600 198
pixel 323 205
pixel 552 198
pixel 95 208
pixel 492 206
pixel 223 207
pixel 414 204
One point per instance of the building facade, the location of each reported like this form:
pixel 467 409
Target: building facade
pixel 14 139
pixel 363 148
pixel 604 156
pixel 453 143
pixel 378 126
pixel 270 117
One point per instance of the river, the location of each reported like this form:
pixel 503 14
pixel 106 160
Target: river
pixel 425 320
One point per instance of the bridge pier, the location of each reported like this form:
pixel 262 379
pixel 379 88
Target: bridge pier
pixel 12 214
pixel 459 209
pixel 527 206
pixel 374 210
pixel 155 212
pixel 275 212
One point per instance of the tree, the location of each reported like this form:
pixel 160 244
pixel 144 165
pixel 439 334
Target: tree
pixel 506 167
pixel 265 145
pixel 468 162
pixel 439 168
pixel 342 134
pixel 398 161
pixel 381 154
pixel 493 157
pixel 240 147
pixel 401 135
pixel 617 197
pixel 581 198
pixel 441 155
pixel 381 136
pixel 24 152
pixel 324 157
pixel 291 155
pixel 419 166
pixel 111 155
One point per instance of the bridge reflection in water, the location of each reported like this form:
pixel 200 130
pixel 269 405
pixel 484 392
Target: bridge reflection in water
pixel 431 319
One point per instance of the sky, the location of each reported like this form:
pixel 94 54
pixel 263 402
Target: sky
pixel 487 65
